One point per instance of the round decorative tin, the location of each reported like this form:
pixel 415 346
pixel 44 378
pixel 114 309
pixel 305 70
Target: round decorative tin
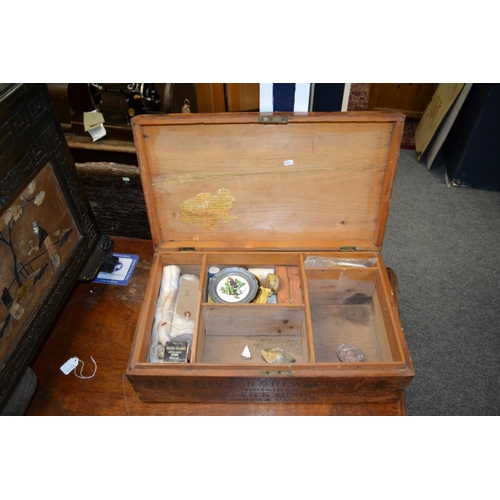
pixel 233 285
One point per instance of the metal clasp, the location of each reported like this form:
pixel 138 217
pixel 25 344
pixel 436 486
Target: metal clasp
pixel 273 119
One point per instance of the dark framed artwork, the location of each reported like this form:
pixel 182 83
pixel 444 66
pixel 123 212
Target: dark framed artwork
pixel 47 229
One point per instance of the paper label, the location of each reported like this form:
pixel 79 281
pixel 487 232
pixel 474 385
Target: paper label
pixel 92 119
pixel 176 351
pixel 70 365
pixel 97 133
pixel 93 124
pixel 186 299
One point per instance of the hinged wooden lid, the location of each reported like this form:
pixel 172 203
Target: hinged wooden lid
pixel 293 181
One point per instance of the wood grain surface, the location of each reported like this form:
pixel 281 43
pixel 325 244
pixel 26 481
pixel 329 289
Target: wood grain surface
pixel 319 181
pixel 99 320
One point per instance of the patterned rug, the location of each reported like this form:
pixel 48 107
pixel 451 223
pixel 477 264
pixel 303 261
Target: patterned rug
pixel 358 97
pixel 358 101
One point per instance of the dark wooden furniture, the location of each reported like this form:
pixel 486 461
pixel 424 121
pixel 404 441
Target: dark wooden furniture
pixel 48 233
pixel 222 97
pixel 118 102
pixel 99 320
pixel 109 150
pixel 115 193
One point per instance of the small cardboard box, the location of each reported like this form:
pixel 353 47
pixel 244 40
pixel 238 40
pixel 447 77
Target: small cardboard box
pixel 304 193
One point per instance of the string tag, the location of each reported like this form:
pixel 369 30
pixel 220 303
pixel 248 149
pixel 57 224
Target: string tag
pixel 70 365
pixel 81 369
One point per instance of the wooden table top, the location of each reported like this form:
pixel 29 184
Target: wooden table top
pixel 99 320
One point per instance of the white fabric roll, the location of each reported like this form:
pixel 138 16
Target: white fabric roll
pixel 164 312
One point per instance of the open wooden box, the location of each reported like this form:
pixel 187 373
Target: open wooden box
pixel 305 193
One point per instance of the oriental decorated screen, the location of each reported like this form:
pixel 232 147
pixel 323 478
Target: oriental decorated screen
pixel 37 234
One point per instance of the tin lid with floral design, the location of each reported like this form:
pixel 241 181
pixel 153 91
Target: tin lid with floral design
pixel 233 285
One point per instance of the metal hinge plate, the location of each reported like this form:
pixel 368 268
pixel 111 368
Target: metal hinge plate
pixel 187 249
pixel 276 372
pixel 273 119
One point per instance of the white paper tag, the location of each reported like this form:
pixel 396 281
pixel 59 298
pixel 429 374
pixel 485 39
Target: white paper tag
pixel 97 133
pixel 93 124
pixel 70 365
pixel 288 163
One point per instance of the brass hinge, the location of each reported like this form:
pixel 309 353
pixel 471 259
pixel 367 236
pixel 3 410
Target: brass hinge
pixel 273 119
pixel 186 249
pixel 347 249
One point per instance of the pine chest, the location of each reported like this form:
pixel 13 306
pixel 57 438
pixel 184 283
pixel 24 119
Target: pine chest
pixel 303 197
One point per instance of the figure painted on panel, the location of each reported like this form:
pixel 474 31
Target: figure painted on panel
pixel 44 238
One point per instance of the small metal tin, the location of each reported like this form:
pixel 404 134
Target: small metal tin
pixel 233 285
pixel 212 271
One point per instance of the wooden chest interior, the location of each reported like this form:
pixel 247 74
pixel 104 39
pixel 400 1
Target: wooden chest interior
pixel 304 194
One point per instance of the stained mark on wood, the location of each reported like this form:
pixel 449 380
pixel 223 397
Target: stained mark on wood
pixel 357 315
pixel 206 210
pixel 357 298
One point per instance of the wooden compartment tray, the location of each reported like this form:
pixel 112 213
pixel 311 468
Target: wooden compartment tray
pixel 336 305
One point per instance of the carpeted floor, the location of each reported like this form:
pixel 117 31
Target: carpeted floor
pixel 442 242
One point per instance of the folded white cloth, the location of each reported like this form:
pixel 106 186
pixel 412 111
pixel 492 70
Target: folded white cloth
pixel 167 324
pixel 164 312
